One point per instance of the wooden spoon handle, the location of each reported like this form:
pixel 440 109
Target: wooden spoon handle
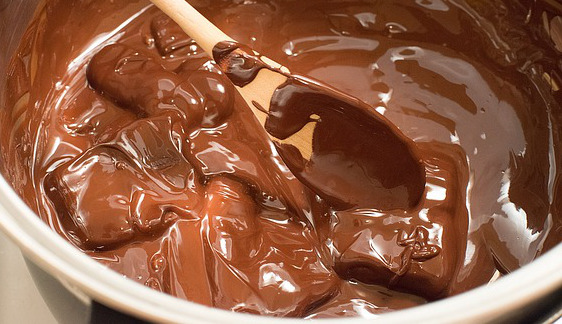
pixel 203 32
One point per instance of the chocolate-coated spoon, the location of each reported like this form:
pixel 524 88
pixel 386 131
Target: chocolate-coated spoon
pixel 337 145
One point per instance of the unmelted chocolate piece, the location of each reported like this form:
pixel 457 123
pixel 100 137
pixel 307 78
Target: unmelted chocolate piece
pixel 215 94
pixel 115 190
pixel 86 219
pixel 415 252
pixel 119 71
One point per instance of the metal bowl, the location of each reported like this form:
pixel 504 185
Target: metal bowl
pixel 55 264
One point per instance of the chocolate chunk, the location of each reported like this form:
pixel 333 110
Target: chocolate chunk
pixel 215 93
pixel 93 196
pixel 119 72
pixel 414 252
pixel 139 184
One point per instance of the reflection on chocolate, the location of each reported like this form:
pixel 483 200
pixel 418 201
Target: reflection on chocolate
pixel 130 143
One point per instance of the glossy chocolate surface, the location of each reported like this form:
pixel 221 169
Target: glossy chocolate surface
pixel 131 143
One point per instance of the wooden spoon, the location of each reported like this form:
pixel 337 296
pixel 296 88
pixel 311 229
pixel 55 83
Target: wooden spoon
pixel 337 145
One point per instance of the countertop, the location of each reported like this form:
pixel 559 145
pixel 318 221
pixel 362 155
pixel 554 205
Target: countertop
pixel 20 302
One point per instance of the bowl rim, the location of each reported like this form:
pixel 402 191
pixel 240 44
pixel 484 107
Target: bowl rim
pixel 68 264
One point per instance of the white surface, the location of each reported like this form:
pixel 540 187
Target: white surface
pixel 20 302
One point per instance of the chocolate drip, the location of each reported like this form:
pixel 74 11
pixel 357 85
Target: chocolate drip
pixel 237 62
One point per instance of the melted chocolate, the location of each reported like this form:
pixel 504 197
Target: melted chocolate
pixel 133 145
